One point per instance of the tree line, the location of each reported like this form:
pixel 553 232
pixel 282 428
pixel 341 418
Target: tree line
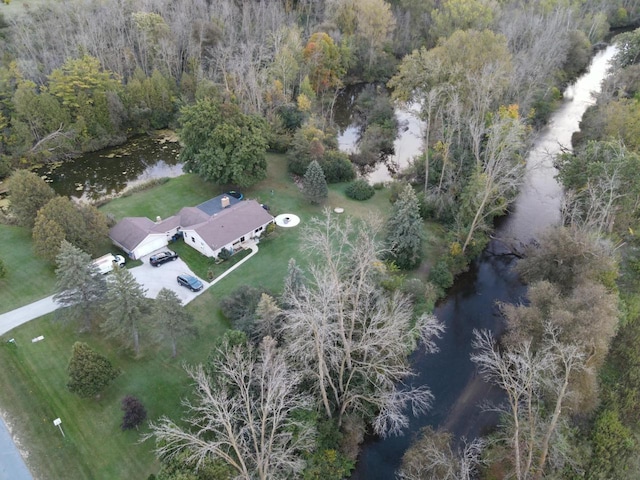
pixel 85 74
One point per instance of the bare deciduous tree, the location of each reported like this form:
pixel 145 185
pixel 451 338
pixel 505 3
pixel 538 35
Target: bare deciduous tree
pixel 348 336
pixel 498 174
pixel 537 385
pixel 432 457
pixel 243 415
pixel 539 42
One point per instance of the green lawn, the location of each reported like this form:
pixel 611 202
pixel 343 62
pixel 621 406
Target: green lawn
pixel 163 200
pixel 33 375
pixel 28 278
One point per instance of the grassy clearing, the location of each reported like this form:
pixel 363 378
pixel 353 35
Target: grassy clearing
pixel 33 375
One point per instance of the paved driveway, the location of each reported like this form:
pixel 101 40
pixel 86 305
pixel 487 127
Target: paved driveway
pixel 154 279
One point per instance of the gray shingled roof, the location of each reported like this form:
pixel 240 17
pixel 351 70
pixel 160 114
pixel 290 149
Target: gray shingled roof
pixel 190 216
pixel 232 223
pixel 240 218
pixel 166 224
pixel 130 231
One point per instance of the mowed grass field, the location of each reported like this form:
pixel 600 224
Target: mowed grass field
pixel 28 279
pixel 33 375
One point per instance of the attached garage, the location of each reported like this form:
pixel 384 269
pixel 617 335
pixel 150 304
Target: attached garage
pixel 139 236
pixel 148 245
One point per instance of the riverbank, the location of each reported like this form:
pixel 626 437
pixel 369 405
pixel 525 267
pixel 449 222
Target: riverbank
pixel 472 301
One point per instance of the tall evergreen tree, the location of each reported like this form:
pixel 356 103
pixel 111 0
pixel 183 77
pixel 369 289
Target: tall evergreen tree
pixel 405 231
pixel 314 184
pixel 126 307
pixel 170 320
pixel 79 285
pixel 89 372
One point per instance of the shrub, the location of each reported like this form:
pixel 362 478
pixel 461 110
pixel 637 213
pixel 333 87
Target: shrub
pixel 240 307
pixel 415 288
pixel 270 229
pixel 441 276
pixel 427 208
pixel 134 413
pixel 396 188
pixel 337 167
pixel 224 254
pixel 3 269
pixel 360 190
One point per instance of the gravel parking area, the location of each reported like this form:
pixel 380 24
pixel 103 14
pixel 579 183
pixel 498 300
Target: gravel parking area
pixel 154 279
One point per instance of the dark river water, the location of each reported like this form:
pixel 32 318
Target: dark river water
pixel 471 302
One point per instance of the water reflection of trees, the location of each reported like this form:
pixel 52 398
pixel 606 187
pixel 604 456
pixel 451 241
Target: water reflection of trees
pixel 111 170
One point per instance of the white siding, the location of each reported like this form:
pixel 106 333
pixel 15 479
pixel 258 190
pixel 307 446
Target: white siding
pixel 194 240
pixel 150 244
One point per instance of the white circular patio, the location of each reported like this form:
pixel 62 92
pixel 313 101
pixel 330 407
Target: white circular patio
pixel 287 220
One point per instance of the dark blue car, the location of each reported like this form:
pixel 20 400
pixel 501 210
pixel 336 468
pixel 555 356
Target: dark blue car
pixel 189 281
pixel 162 257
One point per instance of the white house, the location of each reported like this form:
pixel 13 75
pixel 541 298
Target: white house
pixel 238 223
pixel 222 222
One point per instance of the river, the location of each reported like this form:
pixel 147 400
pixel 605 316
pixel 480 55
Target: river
pixel 471 302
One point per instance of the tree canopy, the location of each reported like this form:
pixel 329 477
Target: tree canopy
pixel 405 231
pixel 222 144
pixel 28 193
pixel 126 307
pixel 170 320
pixel 314 184
pixel 60 219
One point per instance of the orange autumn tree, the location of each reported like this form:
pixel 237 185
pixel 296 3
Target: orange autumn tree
pixel 324 61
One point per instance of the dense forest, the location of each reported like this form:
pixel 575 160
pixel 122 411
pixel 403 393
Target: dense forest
pixel 288 397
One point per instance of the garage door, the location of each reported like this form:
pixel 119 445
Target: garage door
pixel 149 245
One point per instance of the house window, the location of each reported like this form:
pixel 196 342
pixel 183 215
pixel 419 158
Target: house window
pixel 193 240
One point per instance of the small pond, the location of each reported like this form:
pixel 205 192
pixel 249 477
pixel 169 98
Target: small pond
pixel 109 171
